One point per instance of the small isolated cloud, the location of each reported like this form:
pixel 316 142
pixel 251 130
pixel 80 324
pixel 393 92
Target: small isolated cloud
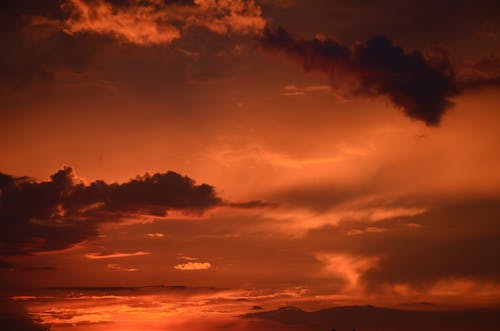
pixel 100 256
pixel 193 266
pixel 370 229
pixel 156 235
pixel 114 266
pixel 294 90
pixel 188 258
pixel 252 204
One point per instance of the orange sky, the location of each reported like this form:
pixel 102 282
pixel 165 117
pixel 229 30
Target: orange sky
pixel 337 169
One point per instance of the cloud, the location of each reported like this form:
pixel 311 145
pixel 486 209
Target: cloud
pixel 143 24
pixel 481 83
pixel 55 214
pixel 439 250
pixel 137 290
pixel 251 204
pixel 100 256
pixel 293 90
pixel 153 22
pixel 378 237
pixel 14 317
pixel 420 86
pixel 193 266
pixel 114 266
pixel 156 235
pixel 488 64
pixel 481 74
pixel 347 267
pixel 373 318
pixel 455 239
pixel 34 47
pixel 46 40
pixel 224 17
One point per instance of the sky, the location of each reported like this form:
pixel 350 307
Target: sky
pixel 223 164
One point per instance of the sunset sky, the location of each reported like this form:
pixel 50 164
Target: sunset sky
pixel 177 164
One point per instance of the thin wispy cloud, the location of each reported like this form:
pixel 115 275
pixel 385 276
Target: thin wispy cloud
pixel 193 266
pixel 100 256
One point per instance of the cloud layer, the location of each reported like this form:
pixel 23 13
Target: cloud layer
pixel 157 22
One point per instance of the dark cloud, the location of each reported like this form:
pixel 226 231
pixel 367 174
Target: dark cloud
pixel 54 214
pixel 14 317
pixel 420 86
pixel 252 204
pixel 374 318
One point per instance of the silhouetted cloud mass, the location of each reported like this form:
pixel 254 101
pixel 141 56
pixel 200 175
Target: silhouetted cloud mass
pixel 55 214
pixel 420 86
pixel 370 318
pixel 14 317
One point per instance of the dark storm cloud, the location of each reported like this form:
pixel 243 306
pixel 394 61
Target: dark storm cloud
pixel 41 216
pixel 420 86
